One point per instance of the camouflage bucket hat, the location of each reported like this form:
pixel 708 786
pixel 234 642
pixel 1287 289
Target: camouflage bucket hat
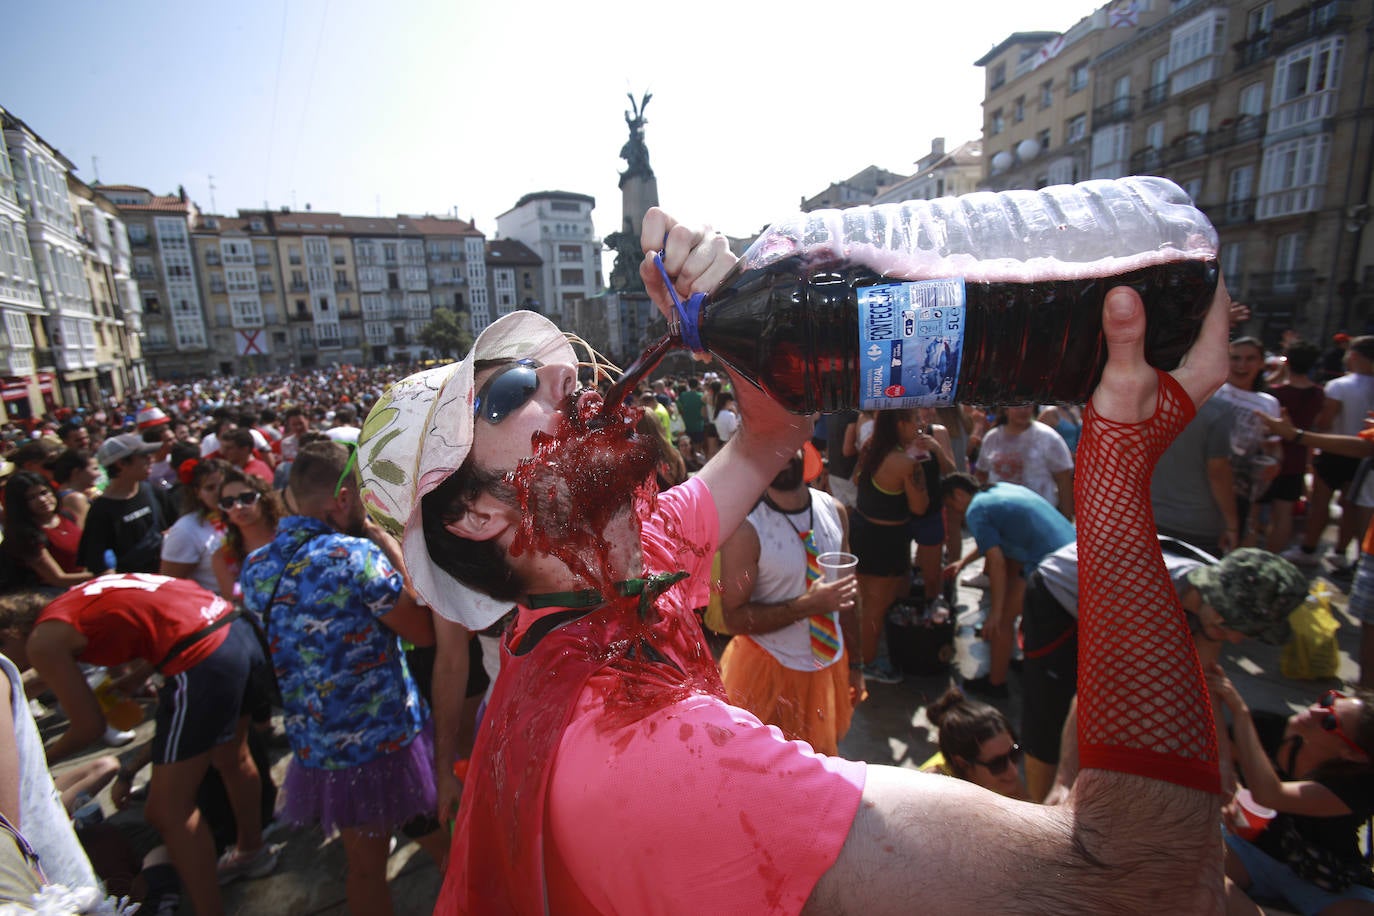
pixel 1254 591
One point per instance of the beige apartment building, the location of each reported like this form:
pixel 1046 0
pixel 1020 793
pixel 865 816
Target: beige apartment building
pixel 1257 109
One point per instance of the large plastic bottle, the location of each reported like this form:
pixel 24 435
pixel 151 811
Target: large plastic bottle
pixel 990 298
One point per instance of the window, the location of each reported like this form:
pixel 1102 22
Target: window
pixel 1292 176
pixel 1252 100
pixel 997 75
pixel 1288 260
pixel 1193 50
pixel 1111 150
pixel 996 123
pixel 339 254
pixel 564 206
pixel 1075 128
pixel 1193 188
pixel 247 313
pixel 1063 171
pixel 1018 110
pixel 571 277
pixel 567 253
pixel 1305 81
pixel 1121 89
pixel 1154 135
pixel 1046 94
pixel 293 254
pixel 1240 184
pixel 1259 20
pixel 1078 77
pixel 1198 117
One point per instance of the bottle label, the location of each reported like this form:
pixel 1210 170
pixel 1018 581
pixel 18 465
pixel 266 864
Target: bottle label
pixel 911 340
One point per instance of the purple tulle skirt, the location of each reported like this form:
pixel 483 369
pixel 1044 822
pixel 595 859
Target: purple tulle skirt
pixel 378 796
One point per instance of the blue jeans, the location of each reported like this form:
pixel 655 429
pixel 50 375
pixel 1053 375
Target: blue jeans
pixel 1272 880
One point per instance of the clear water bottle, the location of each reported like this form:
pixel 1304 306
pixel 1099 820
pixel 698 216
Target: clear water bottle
pixel 989 298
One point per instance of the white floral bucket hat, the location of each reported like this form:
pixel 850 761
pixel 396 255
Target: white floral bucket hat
pixel 420 431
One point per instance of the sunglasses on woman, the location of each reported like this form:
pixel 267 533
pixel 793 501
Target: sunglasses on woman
pixel 507 390
pixel 1332 722
pixel 244 499
pixel 998 765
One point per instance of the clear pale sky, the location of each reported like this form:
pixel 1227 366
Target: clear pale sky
pixel 416 106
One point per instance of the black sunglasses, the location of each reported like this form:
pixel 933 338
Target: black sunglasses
pixel 507 390
pixel 1332 723
pixel 998 765
pixel 245 499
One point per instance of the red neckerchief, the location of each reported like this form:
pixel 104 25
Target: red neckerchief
pixel 497 860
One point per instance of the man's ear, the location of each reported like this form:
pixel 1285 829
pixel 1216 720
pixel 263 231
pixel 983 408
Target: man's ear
pixel 484 519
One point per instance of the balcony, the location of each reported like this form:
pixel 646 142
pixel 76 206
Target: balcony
pixel 1154 96
pixel 1254 50
pixel 343 286
pixel 1188 146
pixel 300 316
pixel 352 343
pixel 1313 20
pixel 1282 284
pixel 1235 131
pixel 1114 111
pixel 298 286
pixel 156 346
pixel 1316 106
pixel 262 258
pixel 212 259
pixel 1231 213
pixel 17 361
pixel 265 284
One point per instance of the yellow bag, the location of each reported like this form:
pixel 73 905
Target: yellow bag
pixel 1312 652
pixel 715 610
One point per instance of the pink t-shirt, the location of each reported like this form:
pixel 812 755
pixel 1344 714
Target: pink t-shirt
pixel 757 819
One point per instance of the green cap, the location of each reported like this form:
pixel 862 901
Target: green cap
pixel 1254 591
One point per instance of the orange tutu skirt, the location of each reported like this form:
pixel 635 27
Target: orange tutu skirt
pixel 813 706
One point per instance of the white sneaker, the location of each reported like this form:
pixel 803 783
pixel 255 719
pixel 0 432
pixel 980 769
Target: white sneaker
pixel 113 737
pixel 1339 563
pixel 1299 557
pixel 980 580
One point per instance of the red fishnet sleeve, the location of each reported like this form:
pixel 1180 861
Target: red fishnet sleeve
pixel 1143 705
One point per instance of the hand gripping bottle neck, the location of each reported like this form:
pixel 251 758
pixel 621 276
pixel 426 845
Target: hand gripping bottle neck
pixel 685 326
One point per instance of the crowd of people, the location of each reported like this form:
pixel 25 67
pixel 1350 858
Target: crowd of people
pixel 460 631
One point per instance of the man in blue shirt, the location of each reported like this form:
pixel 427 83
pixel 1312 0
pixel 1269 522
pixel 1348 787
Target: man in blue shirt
pixel 334 605
pixel 1014 528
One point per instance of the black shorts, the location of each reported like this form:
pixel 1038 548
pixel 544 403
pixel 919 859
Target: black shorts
pixel 1336 471
pixel 883 550
pixel 1049 674
pixel 1285 488
pixel 199 708
pixel 928 530
pixel 697 437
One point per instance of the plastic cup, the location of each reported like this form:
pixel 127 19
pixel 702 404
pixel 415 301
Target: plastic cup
pixel 1254 817
pixel 837 564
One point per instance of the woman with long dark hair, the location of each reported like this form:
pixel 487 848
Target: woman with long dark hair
pixel 40 543
pixel 251 511
pixel 890 492
pixel 1320 784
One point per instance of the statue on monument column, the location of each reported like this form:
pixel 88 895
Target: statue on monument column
pixel 625 243
pixel 634 152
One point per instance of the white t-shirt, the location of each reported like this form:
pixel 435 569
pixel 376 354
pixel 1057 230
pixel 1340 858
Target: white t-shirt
pixel 1248 434
pixel 192 539
pixel 727 422
pixel 1031 458
pixel 1356 394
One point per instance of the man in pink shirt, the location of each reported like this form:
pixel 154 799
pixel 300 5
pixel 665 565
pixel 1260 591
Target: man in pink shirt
pixel 611 775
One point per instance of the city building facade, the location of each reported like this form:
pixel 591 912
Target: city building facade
pixel 1257 110
pixel 939 174
pixel 69 323
pixel 557 226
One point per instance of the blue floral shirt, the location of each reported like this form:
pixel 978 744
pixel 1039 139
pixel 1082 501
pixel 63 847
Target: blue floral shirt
pixel 348 694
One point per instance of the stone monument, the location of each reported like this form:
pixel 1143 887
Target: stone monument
pixel 638 192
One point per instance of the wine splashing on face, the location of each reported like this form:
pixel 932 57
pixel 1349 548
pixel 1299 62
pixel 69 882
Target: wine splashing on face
pixel 592 468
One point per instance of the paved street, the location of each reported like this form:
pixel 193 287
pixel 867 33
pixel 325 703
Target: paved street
pixel 890 728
